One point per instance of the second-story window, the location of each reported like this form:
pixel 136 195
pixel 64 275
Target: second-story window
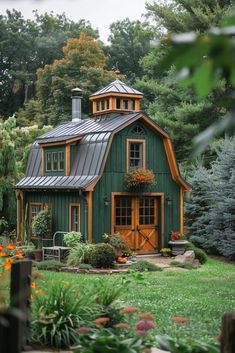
pixel 135 154
pixel 55 161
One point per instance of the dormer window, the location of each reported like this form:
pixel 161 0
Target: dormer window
pixel 54 161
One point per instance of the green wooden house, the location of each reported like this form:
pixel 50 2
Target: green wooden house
pixel 78 170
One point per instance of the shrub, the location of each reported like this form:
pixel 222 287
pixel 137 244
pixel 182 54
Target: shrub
pixel 186 265
pixel 142 266
pixel 41 224
pixel 199 253
pixel 57 312
pixel 72 239
pixel 81 253
pixel 85 267
pixel 50 265
pixel 102 255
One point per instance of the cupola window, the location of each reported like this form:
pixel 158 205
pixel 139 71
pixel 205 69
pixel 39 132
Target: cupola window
pixel 118 103
pixel 125 104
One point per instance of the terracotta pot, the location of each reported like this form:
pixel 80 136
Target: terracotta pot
pixel 38 255
pixel 118 253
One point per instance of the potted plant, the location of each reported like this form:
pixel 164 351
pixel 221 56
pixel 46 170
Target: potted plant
pixel 178 243
pixel 166 252
pixel 117 243
pixel 139 178
pixel 41 226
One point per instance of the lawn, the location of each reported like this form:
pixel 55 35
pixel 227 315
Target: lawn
pixel 202 296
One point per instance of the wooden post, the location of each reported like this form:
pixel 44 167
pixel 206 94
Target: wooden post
pixel 228 333
pixel 20 299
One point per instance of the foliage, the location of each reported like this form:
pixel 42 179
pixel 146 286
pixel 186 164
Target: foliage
pixel 199 62
pixel 80 254
pixel 107 341
pixel 213 204
pixel 41 224
pixel 165 250
pixel 49 265
pixel 142 266
pixel 177 236
pixel 115 240
pixel 27 45
pixel 173 106
pixel 3 225
pixel 57 312
pixel 127 253
pixel 186 265
pixel 102 255
pixel 167 294
pixel 83 64
pixel 199 253
pixel 83 266
pixel 139 177
pixel 128 39
pixel 173 346
pixel 72 239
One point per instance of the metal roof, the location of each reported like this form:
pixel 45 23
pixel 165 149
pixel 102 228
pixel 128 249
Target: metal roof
pixel 117 86
pixel 99 124
pixel 85 168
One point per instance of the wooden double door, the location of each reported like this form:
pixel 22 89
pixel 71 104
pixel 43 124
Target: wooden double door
pixel 136 220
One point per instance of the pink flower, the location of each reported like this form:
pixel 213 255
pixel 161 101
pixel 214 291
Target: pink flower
pixel 144 325
pixel 129 310
pixel 101 321
pixel 82 329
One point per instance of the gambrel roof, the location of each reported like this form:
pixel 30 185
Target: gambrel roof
pixel 94 137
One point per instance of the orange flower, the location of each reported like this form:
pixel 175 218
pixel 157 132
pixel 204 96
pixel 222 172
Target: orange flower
pixel 121 325
pixel 33 285
pixel 19 254
pixel 146 316
pixel 38 292
pixel 7 264
pixel 179 319
pixel 129 310
pixel 10 246
pixel 101 321
pixel 3 253
pixel 1 247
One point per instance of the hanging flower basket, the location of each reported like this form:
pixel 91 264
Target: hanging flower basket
pixel 140 178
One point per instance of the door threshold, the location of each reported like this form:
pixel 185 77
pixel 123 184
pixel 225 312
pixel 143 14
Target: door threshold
pixel 148 255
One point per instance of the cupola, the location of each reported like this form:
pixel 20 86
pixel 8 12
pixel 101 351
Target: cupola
pixel 116 97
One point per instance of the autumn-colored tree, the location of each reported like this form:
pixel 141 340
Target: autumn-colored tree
pixel 83 66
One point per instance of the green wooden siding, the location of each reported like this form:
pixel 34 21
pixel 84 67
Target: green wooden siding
pixel 54 149
pixel 60 202
pixel 113 181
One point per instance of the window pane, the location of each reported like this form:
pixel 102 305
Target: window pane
pixel 48 161
pixel 136 155
pixel 75 218
pixel 97 106
pixel 125 104
pixel 61 160
pixel 118 103
pixel 55 160
pixel 107 104
pixel 102 105
pixel 133 104
pixel 123 214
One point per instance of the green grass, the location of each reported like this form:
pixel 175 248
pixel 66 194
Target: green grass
pixel 202 296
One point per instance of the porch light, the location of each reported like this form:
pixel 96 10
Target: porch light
pixel 106 201
pixel 168 200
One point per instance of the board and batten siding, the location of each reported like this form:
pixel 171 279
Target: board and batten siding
pixel 113 180
pixel 60 202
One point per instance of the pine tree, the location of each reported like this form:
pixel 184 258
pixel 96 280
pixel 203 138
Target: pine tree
pixel 210 215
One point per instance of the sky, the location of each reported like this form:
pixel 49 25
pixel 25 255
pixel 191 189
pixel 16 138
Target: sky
pixel 101 13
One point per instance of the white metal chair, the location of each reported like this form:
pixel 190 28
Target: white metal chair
pixel 54 248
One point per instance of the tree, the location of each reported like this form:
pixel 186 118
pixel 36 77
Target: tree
pixel 173 106
pixel 128 40
pixel 211 212
pixel 83 65
pixel 26 45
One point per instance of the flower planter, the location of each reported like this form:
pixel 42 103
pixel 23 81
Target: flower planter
pixel 178 247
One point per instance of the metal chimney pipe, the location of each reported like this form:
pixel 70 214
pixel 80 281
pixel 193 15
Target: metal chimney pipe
pixel 76 105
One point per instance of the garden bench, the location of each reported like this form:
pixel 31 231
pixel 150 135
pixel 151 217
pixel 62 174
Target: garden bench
pixel 54 248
